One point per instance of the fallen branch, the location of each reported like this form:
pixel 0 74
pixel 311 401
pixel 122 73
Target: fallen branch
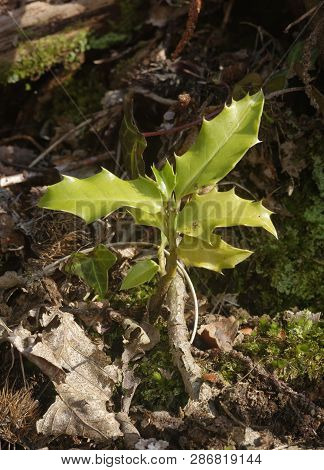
pixel 40 17
pixel 18 178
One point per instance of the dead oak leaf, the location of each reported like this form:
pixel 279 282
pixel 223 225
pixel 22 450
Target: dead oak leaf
pixel 220 333
pixel 81 374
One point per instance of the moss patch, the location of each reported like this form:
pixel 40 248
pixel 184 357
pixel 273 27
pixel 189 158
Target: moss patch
pixel 293 347
pixel 161 385
pixel 86 90
pixel 132 13
pixel 36 57
pixel 33 58
pixel 133 298
pixel 289 272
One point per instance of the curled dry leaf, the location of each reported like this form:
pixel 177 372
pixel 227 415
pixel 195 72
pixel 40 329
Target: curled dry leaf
pixel 247 331
pixel 220 333
pixel 11 279
pixel 290 162
pixel 138 338
pixel 81 374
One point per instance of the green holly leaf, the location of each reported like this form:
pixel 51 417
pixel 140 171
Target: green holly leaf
pixel 141 272
pixel 151 220
pixel 93 268
pixel 216 255
pixel 166 179
pixel 100 195
pixel 133 143
pixel 204 213
pixel 220 145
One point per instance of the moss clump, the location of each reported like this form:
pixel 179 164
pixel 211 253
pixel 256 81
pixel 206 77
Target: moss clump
pixel 107 40
pixel 230 368
pixel 86 90
pixel 161 385
pixel 132 298
pixel 132 13
pixel 293 347
pixel 35 57
pixel 288 272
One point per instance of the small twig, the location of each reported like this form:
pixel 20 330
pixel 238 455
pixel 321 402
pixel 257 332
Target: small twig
pixel 154 96
pixel 303 17
pixel 183 126
pixel 20 166
pixel 6 181
pixel 285 55
pixel 58 141
pixel 274 94
pixel 227 14
pixel 231 416
pixel 12 361
pixel 193 13
pixel 85 162
pixel 7 140
pixel 22 369
pixel 87 122
pixel 118 157
pixel 225 183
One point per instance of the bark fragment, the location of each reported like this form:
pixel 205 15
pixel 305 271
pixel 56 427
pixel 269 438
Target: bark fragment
pixel 179 338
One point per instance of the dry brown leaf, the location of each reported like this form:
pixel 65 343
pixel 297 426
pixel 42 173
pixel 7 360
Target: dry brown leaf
pixel 247 331
pixel 220 334
pixel 211 377
pixel 11 279
pixel 81 374
pixel 138 338
pixel 290 161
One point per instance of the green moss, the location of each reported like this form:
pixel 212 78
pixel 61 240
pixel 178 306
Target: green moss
pixel 289 272
pixel 132 298
pixel 107 40
pixel 37 56
pixel 161 385
pixel 86 90
pixel 293 348
pixel 230 368
pixel 132 13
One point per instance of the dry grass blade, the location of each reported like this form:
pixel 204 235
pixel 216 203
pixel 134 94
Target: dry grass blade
pixel 18 414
